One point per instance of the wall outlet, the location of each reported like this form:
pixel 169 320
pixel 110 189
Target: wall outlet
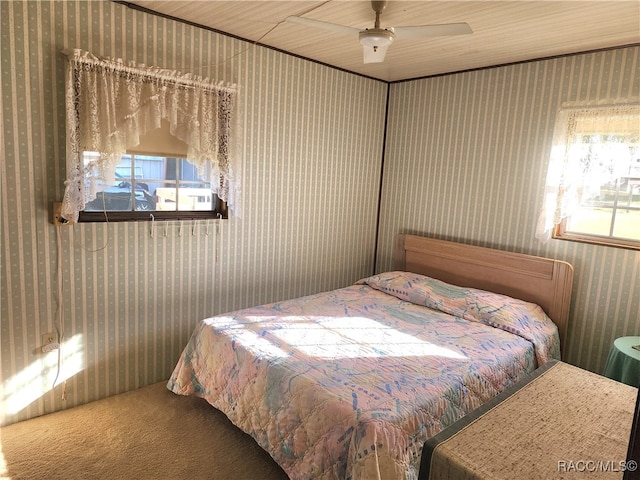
pixel 50 342
pixel 58 219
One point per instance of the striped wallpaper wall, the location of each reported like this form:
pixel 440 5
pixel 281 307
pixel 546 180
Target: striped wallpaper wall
pixel 311 147
pixel 466 160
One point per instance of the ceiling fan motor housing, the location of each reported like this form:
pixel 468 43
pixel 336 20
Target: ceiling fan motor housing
pixel 376 37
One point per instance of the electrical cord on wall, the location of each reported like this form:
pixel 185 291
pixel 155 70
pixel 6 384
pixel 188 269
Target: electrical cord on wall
pixel 256 42
pixel 60 308
pixel 106 219
pixel 60 315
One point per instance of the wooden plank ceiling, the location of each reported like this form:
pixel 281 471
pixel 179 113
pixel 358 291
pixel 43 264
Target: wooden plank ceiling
pixel 503 31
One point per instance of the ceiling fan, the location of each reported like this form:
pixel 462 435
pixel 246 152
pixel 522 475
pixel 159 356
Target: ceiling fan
pixel 375 41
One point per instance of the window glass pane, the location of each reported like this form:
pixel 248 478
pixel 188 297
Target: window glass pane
pixel 594 221
pixel 125 169
pixel 166 198
pixel 192 197
pixel 115 197
pixel 152 183
pixel 627 224
pixel 602 196
pixel 189 172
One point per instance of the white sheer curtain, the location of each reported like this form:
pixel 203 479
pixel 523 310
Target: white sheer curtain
pixel 110 104
pixel 591 147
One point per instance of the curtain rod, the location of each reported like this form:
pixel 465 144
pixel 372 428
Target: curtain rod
pixel 82 56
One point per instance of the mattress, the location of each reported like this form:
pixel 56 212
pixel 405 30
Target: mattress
pixel 348 384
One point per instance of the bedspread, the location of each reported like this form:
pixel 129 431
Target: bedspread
pixel 348 384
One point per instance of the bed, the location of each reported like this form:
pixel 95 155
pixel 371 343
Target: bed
pixel 350 383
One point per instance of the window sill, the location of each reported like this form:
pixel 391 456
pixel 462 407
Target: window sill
pixel 103 217
pixel 596 240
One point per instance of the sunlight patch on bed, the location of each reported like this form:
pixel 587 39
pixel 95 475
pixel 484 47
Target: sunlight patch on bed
pixel 341 337
pixel 38 378
pixel 248 338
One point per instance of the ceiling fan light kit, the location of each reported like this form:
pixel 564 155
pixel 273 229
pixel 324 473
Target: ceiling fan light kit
pixel 375 42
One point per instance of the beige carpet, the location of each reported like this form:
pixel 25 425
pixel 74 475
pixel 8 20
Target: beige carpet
pixel 149 433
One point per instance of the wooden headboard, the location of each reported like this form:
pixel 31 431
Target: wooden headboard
pixel 544 281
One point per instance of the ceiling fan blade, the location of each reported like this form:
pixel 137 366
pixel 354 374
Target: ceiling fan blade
pixel 333 27
pixel 374 54
pixel 425 31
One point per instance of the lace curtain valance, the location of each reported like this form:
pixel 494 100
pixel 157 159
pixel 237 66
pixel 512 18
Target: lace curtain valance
pixel 591 147
pixel 110 104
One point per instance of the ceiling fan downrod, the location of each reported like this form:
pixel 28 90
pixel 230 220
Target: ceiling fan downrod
pixel 378 6
pixel 377 37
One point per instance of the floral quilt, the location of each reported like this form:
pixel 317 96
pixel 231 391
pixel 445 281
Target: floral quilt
pixel 348 384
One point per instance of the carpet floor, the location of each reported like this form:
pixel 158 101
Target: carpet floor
pixel 149 433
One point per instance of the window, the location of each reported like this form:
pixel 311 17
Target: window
pixel 593 183
pixel 146 143
pixel 612 216
pixel 167 187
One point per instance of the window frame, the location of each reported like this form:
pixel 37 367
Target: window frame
pixel 219 207
pixel 592 121
pixel 219 212
pixel 560 233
